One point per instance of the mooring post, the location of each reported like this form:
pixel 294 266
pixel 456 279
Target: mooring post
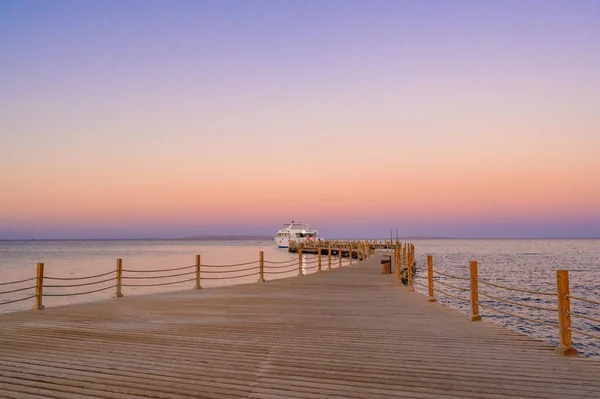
pixel 39 287
pixel 300 262
pixel 565 346
pixel 431 297
pixel 329 256
pixel 340 254
pixel 474 292
pixel 394 258
pixel 119 281
pixel 350 249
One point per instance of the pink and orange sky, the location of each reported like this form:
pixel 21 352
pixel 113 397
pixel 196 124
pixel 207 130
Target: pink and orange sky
pixel 129 119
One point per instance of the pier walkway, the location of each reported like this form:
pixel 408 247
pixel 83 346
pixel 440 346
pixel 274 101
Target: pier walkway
pixel 347 333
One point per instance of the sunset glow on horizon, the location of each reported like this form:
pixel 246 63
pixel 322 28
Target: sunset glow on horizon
pixel 128 119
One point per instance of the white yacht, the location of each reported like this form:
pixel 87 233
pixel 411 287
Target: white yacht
pixel 297 231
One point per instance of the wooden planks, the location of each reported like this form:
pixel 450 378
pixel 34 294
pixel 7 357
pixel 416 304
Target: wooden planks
pixel 347 333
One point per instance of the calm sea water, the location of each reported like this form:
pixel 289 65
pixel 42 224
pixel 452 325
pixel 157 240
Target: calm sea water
pixel 525 264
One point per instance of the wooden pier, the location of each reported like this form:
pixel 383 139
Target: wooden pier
pixel 347 333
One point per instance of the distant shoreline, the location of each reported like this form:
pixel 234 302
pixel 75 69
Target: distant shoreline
pixel 257 238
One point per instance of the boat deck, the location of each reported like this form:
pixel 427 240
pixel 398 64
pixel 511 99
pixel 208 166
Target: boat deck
pixel 347 333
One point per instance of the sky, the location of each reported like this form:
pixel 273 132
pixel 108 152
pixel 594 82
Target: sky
pixel 129 119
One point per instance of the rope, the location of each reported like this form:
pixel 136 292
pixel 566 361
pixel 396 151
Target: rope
pixel 579 315
pixel 278 262
pixel 282 266
pixel 17 290
pixel 233 264
pixel 82 293
pixel 155 285
pixel 78 285
pixel 451 276
pixel 227 271
pixel 16 300
pixel 78 278
pixel 453 286
pixel 519 316
pixel 452 296
pixel 281 271
pixel 422 285
pixel 516 289
pixel 517 303
pixel 583 299
pixel 423 277
pixel 584 333
pixel 225 278
pixel 157 271
pixel 152 277
pixel 20 281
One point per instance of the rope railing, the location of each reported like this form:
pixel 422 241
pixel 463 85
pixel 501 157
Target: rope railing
pixel 153 276
pixel 78 285
pixel 519 316
pixel 288 264
pixel 227 271
pixel 80 293
pixel 583 299
pixel 19 281
pixel 231 265
pixel 121 277
pixel 17 290
pixel 518 303
pixel 157 270
pixel 563 310
pixel 587 334
pixel 452 296
pixel 452 286
pixel 516 289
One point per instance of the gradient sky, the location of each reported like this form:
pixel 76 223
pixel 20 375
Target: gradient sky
pixel 175 118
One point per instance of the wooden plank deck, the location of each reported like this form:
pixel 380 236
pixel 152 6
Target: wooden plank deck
pixel 348 333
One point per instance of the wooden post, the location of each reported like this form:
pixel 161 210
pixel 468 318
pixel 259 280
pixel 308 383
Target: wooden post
pixel 300 262
pixel 197 285
pixel 564 314
pixel 39 288
pixel 340 255
pixel 395 265
pixel 350 246
pixel 319 260
pixel 329 256
pixel 431 297
pixel 409 269
pixel 474 292
pixel 119 294
pixel 261 267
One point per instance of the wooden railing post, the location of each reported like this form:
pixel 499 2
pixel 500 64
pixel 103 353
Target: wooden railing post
pixel 409 269
pixel 395 264
pixel 564 314
pixel 431 297
pixel 119 282
pixel 474 292
pixel 261 267
pixel 319 260
pixel 329 256
pixel 340 254
pixel 39 287
pixel 197 284
pixel 300 262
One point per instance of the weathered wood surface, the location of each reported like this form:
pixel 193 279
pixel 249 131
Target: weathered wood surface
pixel 347 333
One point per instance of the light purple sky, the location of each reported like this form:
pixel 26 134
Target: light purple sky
pixel 171 119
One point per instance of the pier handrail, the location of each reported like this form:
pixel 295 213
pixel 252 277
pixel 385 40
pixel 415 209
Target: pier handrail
pixel 563 310
pixel 121 277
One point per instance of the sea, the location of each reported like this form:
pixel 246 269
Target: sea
pixel 524 264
